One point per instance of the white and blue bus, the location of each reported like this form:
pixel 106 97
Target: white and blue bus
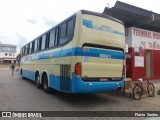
pixel 82 54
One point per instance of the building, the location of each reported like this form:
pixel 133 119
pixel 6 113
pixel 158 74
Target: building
pixel 143 57
pixel 7 53
pixel 143 39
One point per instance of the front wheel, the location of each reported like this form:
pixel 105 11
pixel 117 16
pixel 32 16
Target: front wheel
pixel 137 92
pixel 150 89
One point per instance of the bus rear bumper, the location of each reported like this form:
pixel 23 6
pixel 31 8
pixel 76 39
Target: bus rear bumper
pixel 79 86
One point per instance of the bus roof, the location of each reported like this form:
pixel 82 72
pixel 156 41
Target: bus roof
pixel 83 12
pixel 101 15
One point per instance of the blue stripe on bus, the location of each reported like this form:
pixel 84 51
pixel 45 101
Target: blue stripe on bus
pixel 77 85
pixel 79 52
pixel 54 82
pixel 28 74
pixel 90 24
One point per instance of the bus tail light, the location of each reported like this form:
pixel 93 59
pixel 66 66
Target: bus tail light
pixel 78 69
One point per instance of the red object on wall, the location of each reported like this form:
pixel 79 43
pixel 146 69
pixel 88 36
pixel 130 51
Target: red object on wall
pixel 156 64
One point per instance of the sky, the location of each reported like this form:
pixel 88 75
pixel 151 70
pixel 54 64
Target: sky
pixel 23 20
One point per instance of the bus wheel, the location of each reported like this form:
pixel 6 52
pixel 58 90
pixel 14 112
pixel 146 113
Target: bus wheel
pixel 38 84
pixel 45 84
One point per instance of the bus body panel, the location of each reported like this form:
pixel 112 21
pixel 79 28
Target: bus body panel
pixel 100 30
pixel 29 74
pixel 79 86
pixel 101 62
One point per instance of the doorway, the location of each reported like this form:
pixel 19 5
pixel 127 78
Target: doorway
pixel 149 72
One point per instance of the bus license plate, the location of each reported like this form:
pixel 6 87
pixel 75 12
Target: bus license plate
pixel 103 79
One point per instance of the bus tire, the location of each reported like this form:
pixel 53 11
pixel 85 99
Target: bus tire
pixel 45 84
pixel 37 80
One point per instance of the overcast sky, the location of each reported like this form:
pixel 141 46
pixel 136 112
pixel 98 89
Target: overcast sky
pixel 23 20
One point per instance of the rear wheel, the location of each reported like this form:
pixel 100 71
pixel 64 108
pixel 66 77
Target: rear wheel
pixel 45 84
pixel 150 89
pixel 137 92
pixel 38 84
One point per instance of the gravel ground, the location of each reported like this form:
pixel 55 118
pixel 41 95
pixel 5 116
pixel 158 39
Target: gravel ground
pixel 22 95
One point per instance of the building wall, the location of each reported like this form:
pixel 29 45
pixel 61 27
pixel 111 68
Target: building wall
pixel 7 53
pixel 140 42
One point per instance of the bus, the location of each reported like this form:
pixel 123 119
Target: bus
pixel 82 54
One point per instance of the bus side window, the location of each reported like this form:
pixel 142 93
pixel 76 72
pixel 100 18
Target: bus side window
pixel 43 42
pixel 25 50
pixel 28 48
pixel 52 38
pixel 35 45
pixel 21 52
pixel 63 33
pixel 47 40
pixel 32 49
pixel 66 31
pixel 39 44
pixel 70 27
pixel 56 43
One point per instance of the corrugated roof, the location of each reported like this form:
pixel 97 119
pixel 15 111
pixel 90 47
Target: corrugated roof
pixel 133 16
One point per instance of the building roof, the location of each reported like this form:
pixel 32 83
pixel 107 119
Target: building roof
pixel 7 45
pixel 133 16
pixel 8 48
